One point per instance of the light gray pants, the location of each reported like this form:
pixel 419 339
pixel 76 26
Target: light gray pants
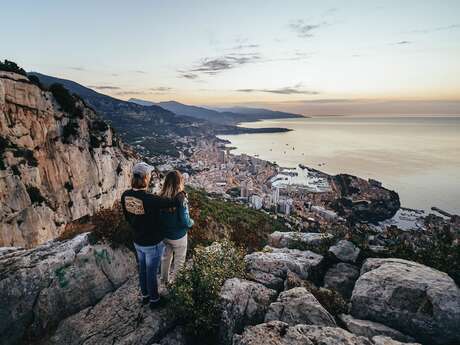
pixel 176 249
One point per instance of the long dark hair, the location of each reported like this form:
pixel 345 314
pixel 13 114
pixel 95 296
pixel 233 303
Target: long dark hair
pixel 172 185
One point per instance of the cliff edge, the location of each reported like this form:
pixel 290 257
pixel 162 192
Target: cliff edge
pixel 58 161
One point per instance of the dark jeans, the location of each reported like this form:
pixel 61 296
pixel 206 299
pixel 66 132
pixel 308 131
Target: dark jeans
pixel 149 259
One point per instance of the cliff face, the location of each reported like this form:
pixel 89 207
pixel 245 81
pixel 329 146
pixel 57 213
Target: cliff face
pixel 55 165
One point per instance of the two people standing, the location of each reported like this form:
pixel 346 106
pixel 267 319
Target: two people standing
pixel 160 224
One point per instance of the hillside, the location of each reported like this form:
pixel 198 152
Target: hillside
pixel 58 161
pixel 226 115
pixel 157 130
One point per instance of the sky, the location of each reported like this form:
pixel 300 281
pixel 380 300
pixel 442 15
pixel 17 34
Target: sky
pixel 312 57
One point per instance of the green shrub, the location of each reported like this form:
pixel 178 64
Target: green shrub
pixel 68 186
pixel 106 225
pixel 27 154
pixel 194 296
pixel 436 247
pixel 217 219
pixel 70 130
pixel 330 299
pixel 36 81
pixel 35 196
pixel 10 66
pixel 66 101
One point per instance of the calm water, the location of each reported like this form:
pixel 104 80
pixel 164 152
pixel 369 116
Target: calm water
pixel 419 157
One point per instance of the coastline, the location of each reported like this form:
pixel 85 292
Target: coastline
pixel 410 182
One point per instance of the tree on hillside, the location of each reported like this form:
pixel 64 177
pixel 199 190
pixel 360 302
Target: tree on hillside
pixel 10 66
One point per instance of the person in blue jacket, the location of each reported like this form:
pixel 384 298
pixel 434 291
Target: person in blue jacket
pixel 176 222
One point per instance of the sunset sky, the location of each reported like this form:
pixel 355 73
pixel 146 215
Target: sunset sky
pixel 312 57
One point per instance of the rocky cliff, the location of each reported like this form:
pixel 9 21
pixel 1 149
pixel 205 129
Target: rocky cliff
pixel 58 161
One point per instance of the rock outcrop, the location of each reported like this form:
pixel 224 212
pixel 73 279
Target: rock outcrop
pixel 242 303
pixel 345 251
pixel 299 306
pixel 118 318
pixel 371 329
pixel 280 333
pixel 270 267
pixel 41 286
pixel 58 162
pixel 360 200
pixel 341 277
pixel 412 298
pixel 294 239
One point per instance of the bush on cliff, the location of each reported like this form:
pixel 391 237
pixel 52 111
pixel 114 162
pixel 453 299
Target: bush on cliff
pixel 194 296
pixel 106 225
pixel 66 100
pixel 217 219
pixel 10 66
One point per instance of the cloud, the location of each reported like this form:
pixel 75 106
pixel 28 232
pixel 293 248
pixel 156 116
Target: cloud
pixel 435 29
pixel 294 90
pixel 403 42
pixel 130 93
pixel 245 46
pixel 104 87
pixel 76 68
pixel 303 29
pixel 188 75
pixel 160 89
pixel 213 66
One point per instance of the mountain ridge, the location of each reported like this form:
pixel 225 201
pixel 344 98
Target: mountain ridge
pixel 241 114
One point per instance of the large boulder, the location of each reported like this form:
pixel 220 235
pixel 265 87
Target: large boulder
pixel 269 267
pixel 294 239
pixel 345 251
pixel 242 303
pixel 118 318
pixel 41 286
pixel 299 306
pixel 280 333
pixel 371 329
pixel 341 277
pixel 410 297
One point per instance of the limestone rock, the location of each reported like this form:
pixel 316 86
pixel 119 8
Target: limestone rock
pixel 41 286
pixel 279 239
pixel 412 298
pixel 360 200
pixel 55 167
pixel 299 306
pixel 118 318
pixel 381 340
pixel 371 329
pixel 270 266
pixel 345 251
pixel 280 333
pixel 242 303
pixel 341 277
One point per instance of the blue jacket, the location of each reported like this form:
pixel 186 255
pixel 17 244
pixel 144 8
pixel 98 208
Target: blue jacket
pixel 176 223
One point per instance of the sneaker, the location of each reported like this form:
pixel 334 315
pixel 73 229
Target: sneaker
pixel 160 302
pixel 145 300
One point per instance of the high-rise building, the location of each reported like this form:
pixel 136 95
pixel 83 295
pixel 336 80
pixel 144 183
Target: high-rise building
pixel 275 195
pixel 243 190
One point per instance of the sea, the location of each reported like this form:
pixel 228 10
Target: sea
pixel 416 156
